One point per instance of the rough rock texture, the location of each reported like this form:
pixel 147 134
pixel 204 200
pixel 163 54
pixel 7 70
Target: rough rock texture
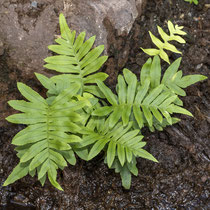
pixel 28 27
pixel 91 15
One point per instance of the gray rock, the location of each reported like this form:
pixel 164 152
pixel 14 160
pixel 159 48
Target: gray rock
pixel 26 34
pixel 90 16
pixel 27 31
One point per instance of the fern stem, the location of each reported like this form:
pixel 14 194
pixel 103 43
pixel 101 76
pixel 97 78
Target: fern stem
pixel 80 73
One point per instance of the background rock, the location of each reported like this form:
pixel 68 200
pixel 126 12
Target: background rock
pixel 28 27
pixel 90 16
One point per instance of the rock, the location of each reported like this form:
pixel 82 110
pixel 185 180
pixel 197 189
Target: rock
pixel 120 14
pixel 28 27
pixel 26 32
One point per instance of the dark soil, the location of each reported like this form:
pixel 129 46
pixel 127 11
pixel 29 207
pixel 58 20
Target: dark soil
pixel 181 178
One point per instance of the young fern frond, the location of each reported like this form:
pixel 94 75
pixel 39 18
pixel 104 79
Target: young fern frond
pixel 76 60
pixel 45 145
pixel 175 31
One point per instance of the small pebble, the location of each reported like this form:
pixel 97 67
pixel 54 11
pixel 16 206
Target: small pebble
pixel 181 16
pixel 199 66
pixel 204 178
pixel 20 199
pixel 34 4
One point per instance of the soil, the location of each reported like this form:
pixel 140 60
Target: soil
pixel 181 178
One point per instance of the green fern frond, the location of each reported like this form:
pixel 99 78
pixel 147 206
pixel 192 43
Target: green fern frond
pixel 172 78
pixel 174 31
pixel 122 142
pixel 76 60
pixel 122 145
pixel 45 145
pixel 151 98
pixel 142 101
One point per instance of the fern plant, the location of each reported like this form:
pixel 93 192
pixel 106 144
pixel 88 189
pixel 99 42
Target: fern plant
pixel 82 115
pixel 175 31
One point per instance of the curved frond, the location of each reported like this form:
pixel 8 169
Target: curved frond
pixel 76 59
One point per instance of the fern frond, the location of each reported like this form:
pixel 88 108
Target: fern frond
pixel 175 31
pixel 122 146
pixel 76 59
pixel 142 102
pixel 172 78
pixel 45 145
pixel 122 142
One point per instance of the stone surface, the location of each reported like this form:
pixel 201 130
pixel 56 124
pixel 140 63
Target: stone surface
pixel 121 15
pixel 28 27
